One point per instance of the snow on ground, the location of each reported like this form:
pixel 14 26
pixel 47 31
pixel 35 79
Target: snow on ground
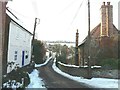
pixel 35 80
pixel 69 65
pixel 94 82
pixel 39 65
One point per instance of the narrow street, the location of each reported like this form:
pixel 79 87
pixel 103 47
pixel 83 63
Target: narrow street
pixel 54 80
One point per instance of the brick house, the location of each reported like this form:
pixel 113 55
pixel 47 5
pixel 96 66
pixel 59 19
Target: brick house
pixel 104 39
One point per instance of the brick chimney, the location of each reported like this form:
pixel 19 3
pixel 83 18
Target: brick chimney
pixel 77 37
pixel 106 19
pixel 76 49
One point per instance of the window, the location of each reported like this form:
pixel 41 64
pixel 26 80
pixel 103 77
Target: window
pixel 15 52
pixel 15 55
pixel 15 58
pixel 26 56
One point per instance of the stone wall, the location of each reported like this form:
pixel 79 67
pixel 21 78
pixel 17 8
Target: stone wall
pixel 83 72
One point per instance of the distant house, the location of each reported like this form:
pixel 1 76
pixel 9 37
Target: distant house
pixel 104 39
pixel 18 43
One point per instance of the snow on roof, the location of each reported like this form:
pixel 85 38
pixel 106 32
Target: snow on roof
pixel 17 20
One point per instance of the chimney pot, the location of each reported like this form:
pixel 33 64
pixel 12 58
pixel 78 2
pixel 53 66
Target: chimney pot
pixel 103 3
pixel 108 3
pixel 77 30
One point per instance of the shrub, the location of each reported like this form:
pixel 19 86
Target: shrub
pixel 110 63
pixel 38 51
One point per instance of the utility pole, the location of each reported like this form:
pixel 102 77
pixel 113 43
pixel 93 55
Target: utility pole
pixel 76 49
pixel 33 38
pixel 89 40
pixel 34 30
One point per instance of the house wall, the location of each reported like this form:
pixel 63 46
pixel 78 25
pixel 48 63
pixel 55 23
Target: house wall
pixel 19 47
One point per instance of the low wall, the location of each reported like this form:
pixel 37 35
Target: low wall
pixel 95 72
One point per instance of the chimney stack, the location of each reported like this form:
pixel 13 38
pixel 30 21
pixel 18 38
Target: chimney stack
pixel 76 49
pixel 106 19
pixel 104 3
pixel 108 3
pixel 77 37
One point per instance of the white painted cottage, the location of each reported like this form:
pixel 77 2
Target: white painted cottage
pixel 19 43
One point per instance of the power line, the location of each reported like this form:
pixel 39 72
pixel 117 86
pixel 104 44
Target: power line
pixel 77 12
pixel 68 6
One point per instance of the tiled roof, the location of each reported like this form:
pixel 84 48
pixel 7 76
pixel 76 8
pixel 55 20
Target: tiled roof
pixel 94 30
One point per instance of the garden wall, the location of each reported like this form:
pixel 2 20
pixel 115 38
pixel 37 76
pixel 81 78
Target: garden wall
pixel 95 72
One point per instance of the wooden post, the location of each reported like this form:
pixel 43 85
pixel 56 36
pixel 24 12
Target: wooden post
pixel 32 55
pixel 89 40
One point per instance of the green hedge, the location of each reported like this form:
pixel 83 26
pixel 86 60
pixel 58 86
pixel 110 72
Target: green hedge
pixel 110 63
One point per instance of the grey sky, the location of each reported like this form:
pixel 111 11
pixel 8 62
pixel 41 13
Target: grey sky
pixel 57 20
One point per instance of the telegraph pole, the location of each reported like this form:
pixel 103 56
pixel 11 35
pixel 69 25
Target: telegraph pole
pixel 33 38
pixel 76 49
pixel 89 40
pixel 34 30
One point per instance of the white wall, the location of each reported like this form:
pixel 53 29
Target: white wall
pixel 19 41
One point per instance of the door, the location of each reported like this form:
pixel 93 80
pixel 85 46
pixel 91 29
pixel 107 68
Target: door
pixel 23 57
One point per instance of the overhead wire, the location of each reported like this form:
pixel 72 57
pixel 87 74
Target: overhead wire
pixel 77 12
pixel 75 15
pixel 69 5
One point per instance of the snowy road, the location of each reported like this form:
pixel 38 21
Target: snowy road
pixel 55 80
pixel 48 78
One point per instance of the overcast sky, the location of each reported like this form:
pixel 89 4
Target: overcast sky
pixel 59 19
